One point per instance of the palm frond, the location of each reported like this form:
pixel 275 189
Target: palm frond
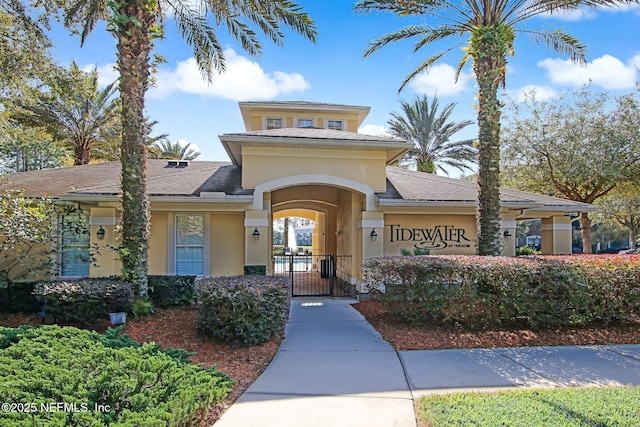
pixel 560 42
pixel 398 7
pixel 404 33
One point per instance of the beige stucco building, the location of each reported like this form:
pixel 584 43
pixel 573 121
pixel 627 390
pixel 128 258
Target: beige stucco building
pixel 299 159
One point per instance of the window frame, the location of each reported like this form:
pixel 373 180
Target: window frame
pixel 335 120
pixel 63 245
pixel 172 250
pixel 311 122
pixel 280 119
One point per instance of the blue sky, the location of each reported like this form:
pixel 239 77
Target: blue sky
pixel 333 70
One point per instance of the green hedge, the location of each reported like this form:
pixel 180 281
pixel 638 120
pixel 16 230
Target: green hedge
pixel 166 291
pixel 245 310
pixel 84 301
pixel 18 297
pixel 135 384
pixel 488 292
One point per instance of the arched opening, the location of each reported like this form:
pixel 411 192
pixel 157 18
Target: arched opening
pixel 326 217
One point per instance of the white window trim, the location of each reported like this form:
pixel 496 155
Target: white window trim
pixel 171 243
pixel 297 119
pixel 267 118
pixel 343 121
pixel 58 253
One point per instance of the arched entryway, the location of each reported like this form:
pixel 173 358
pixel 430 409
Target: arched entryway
pixel 326 267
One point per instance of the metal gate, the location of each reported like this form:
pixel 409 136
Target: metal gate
pixel 316 275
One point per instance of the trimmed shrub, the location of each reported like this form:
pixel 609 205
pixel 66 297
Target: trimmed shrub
pixel 259 270
pixel 18 297
pixel 134 384
pixel 167 291
pixel 481 292
pixel 527 250
pixel 85 301
pixel 245 310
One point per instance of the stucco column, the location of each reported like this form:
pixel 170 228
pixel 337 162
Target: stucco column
pixel 508 233
pixel 105 259
pixel 556 235
pixel 371 222
pixel 256 248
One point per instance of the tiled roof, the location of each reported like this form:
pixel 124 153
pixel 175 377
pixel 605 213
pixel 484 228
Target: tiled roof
pixel 301 103
pixel 104 179
pixel 407 185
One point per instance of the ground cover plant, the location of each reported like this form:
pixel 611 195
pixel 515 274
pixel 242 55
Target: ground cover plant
pixel 540 407
pixel 130 383
pixel 539 292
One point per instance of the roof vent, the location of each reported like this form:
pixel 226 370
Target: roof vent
pixel 177 163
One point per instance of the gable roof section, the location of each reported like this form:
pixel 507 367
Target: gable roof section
pixel 311 138
pixel 103 179
pixel 406 187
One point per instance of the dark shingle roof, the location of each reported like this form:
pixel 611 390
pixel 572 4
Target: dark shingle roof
pixel 407 185
pixel 104 179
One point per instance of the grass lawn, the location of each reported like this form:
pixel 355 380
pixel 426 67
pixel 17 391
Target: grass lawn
pixel 539 407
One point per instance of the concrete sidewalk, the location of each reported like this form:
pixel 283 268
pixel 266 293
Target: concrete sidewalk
pixel 334 369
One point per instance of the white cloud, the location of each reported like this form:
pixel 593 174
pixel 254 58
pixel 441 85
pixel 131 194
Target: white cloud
pixel 242 80
pixel 572 15
pixel 374 130
pixel 607 72
pixel 440 80
pixel 541 93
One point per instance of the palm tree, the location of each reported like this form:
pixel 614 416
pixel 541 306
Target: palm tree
pixel 490 28
pixel 165 149
pixel 136 24
pixel 74 112
pixel 430 131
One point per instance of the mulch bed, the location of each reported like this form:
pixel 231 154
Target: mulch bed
pixel 410 337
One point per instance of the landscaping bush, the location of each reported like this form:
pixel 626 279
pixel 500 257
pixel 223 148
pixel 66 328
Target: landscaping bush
pixel 134 384
pixel 85 301
pixel 167 291
pixel 18 297
pixel 245 310
pixel 481 292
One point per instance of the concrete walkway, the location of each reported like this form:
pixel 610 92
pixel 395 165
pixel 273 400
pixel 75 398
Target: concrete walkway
pixel 334 369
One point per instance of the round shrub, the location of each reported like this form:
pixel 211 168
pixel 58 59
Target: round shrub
pixel 245 310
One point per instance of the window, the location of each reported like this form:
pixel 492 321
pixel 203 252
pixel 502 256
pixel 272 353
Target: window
pixel 274 123
pixel 74 245
pixel 189 252
pixel 334 124
pixel 305 123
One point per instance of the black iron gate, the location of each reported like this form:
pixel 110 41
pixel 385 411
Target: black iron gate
pixel 316 275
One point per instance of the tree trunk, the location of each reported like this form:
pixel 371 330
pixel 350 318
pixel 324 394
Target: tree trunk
pixel 427 166
pixel 489 61
pixel 633 235
pixel 134 48
pixel 585 225
pixel 82 155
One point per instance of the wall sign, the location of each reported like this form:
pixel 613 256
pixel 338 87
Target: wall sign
pixel 437 237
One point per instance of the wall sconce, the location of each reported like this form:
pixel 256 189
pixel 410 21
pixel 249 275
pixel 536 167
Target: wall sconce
pixel 256 234
pixel 507 235
pixel 374 235
pixel 100 233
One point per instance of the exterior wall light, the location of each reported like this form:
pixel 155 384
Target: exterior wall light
pixel 507 235
pixel 374 235
pixel 256 234
pixel 100 233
